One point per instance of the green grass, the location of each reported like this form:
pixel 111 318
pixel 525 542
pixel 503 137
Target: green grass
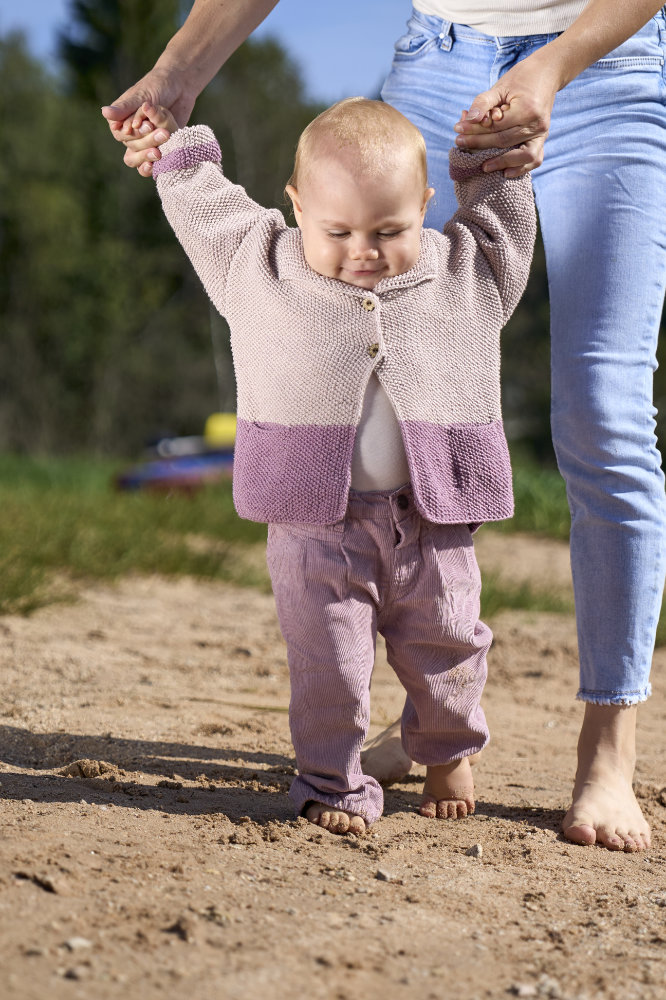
pixel 64 524
pixel 498 595
pixel 540 502
pixel 62 521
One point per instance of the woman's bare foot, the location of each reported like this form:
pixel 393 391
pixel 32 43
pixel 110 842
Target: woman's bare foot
pixel 448 792
pixel 384 757
pixel 334 820
pixel 604 809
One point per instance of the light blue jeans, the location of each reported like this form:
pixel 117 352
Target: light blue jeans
pixel 600 194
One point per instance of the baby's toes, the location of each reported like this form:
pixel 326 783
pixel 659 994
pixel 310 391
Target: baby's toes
pixel 446 809
pixel 357 825
pixel 315 814
pixel 428 807
pixel 451 809
pixel 339 822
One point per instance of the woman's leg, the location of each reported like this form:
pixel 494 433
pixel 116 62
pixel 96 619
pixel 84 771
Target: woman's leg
pixel 599 194
pixel 437 71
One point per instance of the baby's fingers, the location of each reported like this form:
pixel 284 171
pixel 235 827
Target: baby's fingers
pixel 159 117
pixel 154 138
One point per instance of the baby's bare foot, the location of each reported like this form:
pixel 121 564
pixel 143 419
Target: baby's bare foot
pixel 384 757
pixel 334 820
pixel 448 792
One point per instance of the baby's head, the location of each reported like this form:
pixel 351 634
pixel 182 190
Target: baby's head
pixel 359 191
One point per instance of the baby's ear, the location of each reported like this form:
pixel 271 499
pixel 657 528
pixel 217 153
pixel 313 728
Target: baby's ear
pixel 292 194
pixel 429 192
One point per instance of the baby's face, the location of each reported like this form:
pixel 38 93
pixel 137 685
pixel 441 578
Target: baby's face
pixel 360 228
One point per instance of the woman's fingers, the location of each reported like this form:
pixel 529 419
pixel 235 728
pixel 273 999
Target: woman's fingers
pixel 517 124
pixel 519 160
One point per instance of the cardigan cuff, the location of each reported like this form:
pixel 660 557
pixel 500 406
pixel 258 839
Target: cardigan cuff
pixel 187 148
pixel 464 163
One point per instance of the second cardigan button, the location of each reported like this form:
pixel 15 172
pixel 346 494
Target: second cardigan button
pixel 373 350
pixel 368 305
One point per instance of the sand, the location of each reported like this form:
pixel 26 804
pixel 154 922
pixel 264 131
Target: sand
pixel 149 850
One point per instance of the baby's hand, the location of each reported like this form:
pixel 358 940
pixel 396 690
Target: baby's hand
pixel 148 118
pixel 495 114
pixel 149 127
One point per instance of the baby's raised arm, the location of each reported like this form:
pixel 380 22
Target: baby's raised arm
pixel 212 217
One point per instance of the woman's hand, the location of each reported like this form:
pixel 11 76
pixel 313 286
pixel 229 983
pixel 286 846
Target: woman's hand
pixel 157 88
pixel 514 113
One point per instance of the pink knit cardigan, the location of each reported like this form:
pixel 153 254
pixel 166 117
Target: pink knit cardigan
pixel 304 345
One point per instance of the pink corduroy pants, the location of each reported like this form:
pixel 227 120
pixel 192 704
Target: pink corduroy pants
pixel 383 568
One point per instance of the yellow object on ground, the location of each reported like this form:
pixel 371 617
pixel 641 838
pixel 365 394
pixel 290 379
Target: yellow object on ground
pixel 220 430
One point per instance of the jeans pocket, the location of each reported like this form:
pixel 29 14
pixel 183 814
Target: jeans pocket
pixel 418 40
pixel 634 63
pixel 643 51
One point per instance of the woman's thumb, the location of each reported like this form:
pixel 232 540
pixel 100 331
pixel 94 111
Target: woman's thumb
pixel 123 107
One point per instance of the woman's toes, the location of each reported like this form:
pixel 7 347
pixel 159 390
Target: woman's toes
pixel 610 839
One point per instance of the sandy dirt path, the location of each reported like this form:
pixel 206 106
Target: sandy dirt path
pixel 148 848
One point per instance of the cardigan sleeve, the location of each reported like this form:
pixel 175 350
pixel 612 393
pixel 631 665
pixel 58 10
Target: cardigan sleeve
pixel 494 228
pixel 211 216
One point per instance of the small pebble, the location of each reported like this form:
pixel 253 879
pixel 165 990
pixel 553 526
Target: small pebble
pixel 476 851
pixel 523 990
pixel 385 876
pixel 78 943
pixel 77 972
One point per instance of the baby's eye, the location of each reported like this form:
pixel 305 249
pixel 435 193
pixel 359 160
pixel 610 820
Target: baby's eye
pixel 337 235
pixel 389 235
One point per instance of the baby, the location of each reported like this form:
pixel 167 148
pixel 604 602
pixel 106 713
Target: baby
pixel 366 352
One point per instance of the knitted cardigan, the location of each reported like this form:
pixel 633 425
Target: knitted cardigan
pixel 305 345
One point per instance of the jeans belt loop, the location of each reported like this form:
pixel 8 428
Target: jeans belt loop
pixel 445 37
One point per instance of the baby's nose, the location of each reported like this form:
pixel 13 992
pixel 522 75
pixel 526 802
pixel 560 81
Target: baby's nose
pixel 363 251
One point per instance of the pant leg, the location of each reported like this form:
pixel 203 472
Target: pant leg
pixel 435 641
pixel 330 633
pixel 600 198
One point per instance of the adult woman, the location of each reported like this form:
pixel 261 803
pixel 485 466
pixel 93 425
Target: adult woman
pixel 596 193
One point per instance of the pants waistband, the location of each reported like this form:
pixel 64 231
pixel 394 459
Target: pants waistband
pixel 395 504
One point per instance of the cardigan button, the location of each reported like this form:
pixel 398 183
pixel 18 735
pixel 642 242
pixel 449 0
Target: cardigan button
pixel 368 305
pixel 373 350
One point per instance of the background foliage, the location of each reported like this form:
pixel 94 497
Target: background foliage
pixel 107 338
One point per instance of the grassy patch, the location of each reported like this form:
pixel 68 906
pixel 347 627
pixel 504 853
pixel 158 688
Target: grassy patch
pixel 540 502
pixel 498 595
pixel 63 523
pixel 62 519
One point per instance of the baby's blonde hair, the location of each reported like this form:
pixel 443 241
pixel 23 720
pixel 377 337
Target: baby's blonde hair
pixel 372 131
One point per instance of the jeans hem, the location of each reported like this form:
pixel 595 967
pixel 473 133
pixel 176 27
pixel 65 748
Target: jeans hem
pixel 615 697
